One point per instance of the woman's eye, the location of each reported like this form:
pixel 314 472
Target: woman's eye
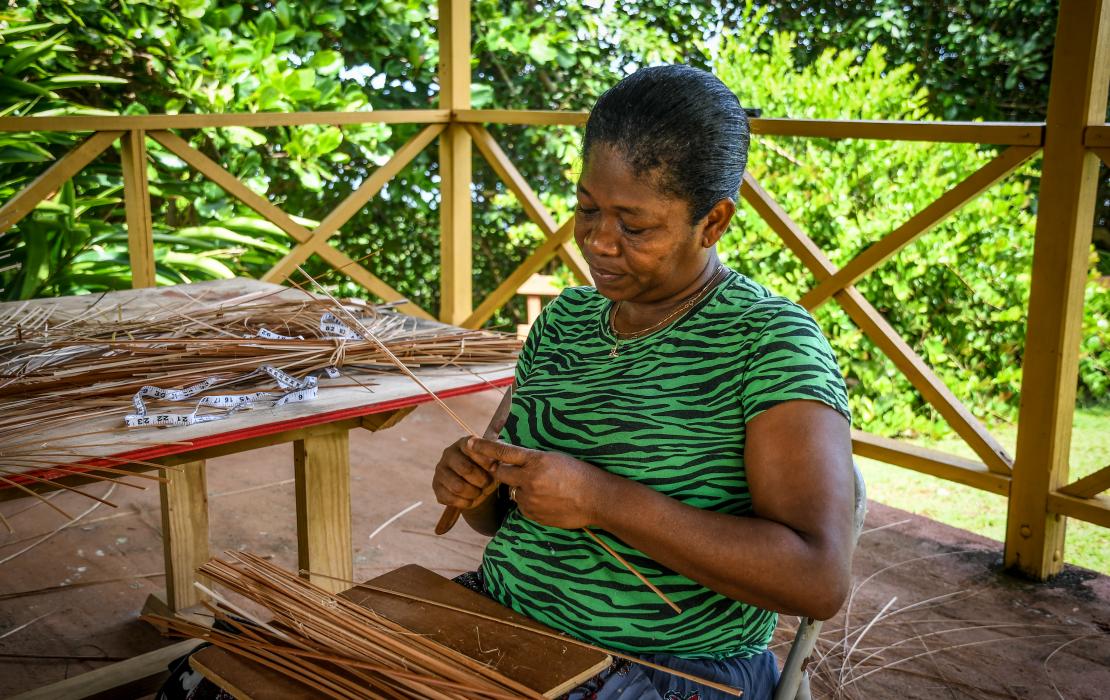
pixel 631 231
pixel 585 211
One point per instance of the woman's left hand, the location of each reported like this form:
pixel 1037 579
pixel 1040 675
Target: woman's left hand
pixel 551 488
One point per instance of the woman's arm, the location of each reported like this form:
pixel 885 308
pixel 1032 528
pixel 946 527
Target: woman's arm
pixel 462 483
pixel 793 555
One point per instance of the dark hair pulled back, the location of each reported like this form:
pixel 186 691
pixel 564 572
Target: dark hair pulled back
pixel 680 125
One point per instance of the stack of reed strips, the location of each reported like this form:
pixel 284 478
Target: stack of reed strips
pixel 337 648
pixel 61 368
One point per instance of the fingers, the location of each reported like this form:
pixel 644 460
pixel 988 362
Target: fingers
pixel 490 451
pixel 458 481
pixel 510 474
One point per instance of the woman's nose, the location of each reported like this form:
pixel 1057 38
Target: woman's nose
pixel 604 237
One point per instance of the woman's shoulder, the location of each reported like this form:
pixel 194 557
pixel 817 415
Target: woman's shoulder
pixel 746 301
pixel 574 300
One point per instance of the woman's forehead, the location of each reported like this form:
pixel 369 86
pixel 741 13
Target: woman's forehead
pixel 608 178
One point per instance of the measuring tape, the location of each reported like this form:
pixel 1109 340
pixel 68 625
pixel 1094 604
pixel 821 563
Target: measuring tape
pixel 294 391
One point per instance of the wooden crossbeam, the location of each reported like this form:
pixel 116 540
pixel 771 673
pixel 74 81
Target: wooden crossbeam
pixel 505 291
pixel 998 133
pixel 535 117
pixel 340 261
pixel 925 220
pixel 162 122
pixel 1092 510
pixel 1097 136
pixel 1103 154
pixel 350 206
pixel 932 462
pixel 528 199
pixel 44 185
pixel 1090 485
pixel 872 323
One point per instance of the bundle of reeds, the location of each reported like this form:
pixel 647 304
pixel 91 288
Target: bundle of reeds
pixel 338 648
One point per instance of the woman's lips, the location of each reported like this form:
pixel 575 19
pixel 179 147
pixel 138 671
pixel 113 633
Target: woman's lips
pixel 604 276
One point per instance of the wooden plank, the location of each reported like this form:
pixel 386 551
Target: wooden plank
pixel 505 291
pixel 872 323
pixel 110 678
pixel 455 168
pixel 383 421
pixel 352 204
pixel 322 472
pixel 1090 485
pixel 1092 510
pixel 337 259
pixel 1077 99
pixel 1097 136
pixel 529 200
pixel 999 133
pixel 161 122
pixel 140 232
pixel 24 202
pixel 184 497
pixel 534 117
pixel 925 220
pixel 540 285
pixel 1103 154
pixel 931 462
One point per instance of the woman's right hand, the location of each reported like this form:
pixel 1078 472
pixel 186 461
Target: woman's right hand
pixel 459 481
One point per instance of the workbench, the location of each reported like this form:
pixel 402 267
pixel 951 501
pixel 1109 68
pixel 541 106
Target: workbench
pixel 318 430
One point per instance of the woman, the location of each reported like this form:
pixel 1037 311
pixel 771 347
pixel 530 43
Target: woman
pixel 695 421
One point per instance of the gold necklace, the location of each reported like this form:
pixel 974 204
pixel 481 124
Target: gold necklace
pixel 697 296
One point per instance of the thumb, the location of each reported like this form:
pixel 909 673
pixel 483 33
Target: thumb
pixel 486 450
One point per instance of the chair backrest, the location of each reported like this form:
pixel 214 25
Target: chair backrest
pixel 794 681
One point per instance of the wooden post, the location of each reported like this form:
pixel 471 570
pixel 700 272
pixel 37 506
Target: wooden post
pixel 456 264
pixel 1077 98
pixel 184 497
pixel 322 472
pixel 140 233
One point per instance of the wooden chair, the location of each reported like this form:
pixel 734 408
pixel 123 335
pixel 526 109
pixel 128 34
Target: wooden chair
pixel 794 681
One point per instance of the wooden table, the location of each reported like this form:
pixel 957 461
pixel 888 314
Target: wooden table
pixel 318 430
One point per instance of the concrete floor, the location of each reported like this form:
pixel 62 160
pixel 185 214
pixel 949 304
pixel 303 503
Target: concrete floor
pixel 972 632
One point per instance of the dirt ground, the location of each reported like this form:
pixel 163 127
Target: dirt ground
pixel 931 616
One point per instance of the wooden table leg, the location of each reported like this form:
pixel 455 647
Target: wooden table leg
pixel 322 471
pixel 184 497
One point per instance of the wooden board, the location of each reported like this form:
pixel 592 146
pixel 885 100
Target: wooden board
pixel 388 392
pixel 544 664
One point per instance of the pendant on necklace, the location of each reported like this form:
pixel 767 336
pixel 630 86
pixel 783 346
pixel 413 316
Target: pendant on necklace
pixel 613 351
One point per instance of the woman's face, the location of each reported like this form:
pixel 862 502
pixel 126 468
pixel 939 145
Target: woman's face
pixel 638 241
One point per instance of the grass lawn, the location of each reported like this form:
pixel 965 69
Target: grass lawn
pixel 985 513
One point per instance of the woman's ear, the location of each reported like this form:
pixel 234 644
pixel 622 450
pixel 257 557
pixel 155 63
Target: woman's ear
pixel 716 222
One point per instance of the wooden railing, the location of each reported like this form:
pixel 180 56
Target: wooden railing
pixel 1035 482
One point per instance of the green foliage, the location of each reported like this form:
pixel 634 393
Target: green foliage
pixel 958 295
pixel 980 59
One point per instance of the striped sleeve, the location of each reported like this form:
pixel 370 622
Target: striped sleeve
pixel 788 360
pixel 527 354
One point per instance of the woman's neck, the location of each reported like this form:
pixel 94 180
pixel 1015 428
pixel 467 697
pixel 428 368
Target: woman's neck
pixel 633 317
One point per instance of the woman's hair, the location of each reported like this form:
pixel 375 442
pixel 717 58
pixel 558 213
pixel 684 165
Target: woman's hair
pixel 680 125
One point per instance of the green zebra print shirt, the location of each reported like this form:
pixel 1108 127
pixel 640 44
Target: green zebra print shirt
pixel 670 412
